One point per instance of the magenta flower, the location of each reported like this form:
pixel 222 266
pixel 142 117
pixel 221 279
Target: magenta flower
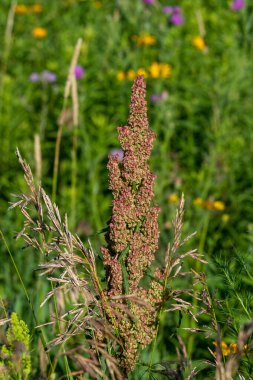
pixel 172 10
pixel 177 19
pixel 79 72
pixel 148 2
pixel 237 5
pixel 175 12
pixel 119 153
pixel 34 77
pixel 48 76
pixel 168 9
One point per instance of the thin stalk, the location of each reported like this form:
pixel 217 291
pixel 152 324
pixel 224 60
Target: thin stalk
pixel 73 180
pixel 75 109
pixel 44 111
pixel 198 268
pixel 68 86
pixel 56 162
pixel 66 363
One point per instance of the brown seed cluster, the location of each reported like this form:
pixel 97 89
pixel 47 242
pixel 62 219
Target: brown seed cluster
pixel 133 228
pixel 140 331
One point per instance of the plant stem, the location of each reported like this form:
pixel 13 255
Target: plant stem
pixel 198 268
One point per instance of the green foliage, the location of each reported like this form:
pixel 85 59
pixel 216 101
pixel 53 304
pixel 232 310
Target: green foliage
pixel 15 356
pixel 204 138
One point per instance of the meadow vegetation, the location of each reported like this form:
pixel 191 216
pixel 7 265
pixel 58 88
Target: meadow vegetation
pixel 122 286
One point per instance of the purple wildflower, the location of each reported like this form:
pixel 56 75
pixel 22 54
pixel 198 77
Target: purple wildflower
pixel 154 98
pixel 175 12
pixel 237 5
pixel 158 97
pixel 119 153
pixel 48 76
pixel 168 9
pixel 34 77
pixel 79 72
pixel 172 10
pixel 177 19
pixel 148 2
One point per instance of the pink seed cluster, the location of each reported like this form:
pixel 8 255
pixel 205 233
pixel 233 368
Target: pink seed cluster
pixel 133 226
pixel 132 237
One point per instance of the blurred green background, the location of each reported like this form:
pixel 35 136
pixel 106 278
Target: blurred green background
pixel 198 64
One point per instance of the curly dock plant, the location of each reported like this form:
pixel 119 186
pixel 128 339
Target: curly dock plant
pixel 133 228
pixel 120 318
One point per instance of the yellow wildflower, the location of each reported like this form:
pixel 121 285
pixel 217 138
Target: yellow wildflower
pixel 165 70
pixel 210 205
pixel 245 348
pixel 142 71
pixel 154 70
pixel 199 42
pixel 36 8
pixel 39 32
pixel 173 198
pixel 131 74
pixel 218 205
pixel 198 202
pixel 233 348
pixel 121 75
pixel 224 348
pixel 225 218
pixel 145 39
pixel 21 9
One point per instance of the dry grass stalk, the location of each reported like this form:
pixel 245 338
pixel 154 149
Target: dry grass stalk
pixel 73 64
pixel 70 86
pixel 4 321
pixel 67 263
pixel 174 263
pixel 201 24
pixel 37 156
